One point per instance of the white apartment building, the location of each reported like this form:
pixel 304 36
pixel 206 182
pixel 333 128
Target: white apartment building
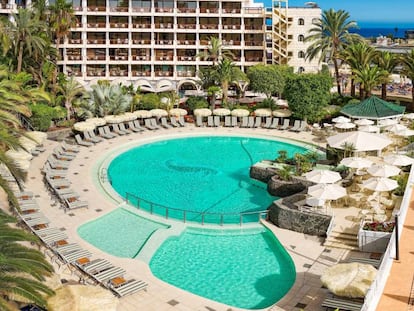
pixel 154 43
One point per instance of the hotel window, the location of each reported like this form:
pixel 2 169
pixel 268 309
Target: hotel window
pixel 301 21
pixel 301 38
pixel 301 54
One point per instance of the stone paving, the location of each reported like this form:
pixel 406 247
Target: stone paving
pixel 307 252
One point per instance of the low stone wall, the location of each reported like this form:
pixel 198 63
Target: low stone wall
pixel 262 173
pixel 283 188
pixel 284 214
pixel 59 134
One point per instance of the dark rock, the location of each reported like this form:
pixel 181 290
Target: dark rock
pixel 283 188
pixel 262 173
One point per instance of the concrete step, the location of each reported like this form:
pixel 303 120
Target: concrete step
pixel 331 244
pixel 342 239
pixel 343 236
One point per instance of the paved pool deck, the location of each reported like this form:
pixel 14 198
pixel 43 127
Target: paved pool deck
pixel 307 252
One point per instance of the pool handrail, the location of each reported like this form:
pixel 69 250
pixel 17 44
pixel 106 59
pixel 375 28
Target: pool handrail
pixel 262 214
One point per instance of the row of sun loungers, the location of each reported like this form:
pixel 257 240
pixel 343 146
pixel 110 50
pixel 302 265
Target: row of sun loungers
pixel 100 271
pixel 119 129
pixel 252 122
pixel 334 303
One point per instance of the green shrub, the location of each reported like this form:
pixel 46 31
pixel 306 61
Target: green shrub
pixel 42 116
pixel 267 103
pixel 196 102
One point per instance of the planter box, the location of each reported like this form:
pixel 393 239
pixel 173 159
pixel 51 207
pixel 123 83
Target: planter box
pixel 373 241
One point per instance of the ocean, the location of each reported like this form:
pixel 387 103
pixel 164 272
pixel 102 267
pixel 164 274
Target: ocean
pixel 381 31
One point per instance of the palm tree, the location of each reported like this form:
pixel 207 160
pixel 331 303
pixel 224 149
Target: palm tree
pixel 62 19
pixel 357 56
pixel 70 90
pixel 369 76
pixel 329 36
pixel 407 61
pixel 215 51
pixel 388 62
pixel 22 269
pixel 26 32
pixel 226 73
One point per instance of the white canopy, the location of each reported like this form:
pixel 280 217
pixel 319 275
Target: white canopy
pixel 158 113
pixel 177 112
pixel 327 191
pixel 356 162
pixel 361 141
pixel 263 112
pixel 323 176
pixel 398 160
pixel 345 125
pixel 384 170
pixel 221 112
pixel 240 112
pixel 363 122
pixel 380 184
pixel 96 121
pixel 113 119
pixel 202 112
pixel 142 114
pixel 341 119
pixel 369 129
pixel 395 128
pixel 387 122
pixel 84 126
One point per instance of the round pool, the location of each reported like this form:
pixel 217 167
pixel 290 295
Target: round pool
pixel 199 179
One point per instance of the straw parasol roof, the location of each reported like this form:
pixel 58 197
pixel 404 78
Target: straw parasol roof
pixel 27 143
pixel 158 113
pixel 240 112
pixel 19 155
pixel 84 126
pixel 178 112
pixel 202 112
pixel 114 119
pixel 39 137
pixel 128 116
pixel 142 114
pixel 263 112
pixel 282 113
pixel 96 121
pixel 221 112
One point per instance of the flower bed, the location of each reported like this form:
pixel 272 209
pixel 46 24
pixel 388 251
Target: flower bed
pixel 374 236
pixel 379 226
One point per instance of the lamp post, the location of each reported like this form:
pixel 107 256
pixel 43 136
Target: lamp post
pixel 397 246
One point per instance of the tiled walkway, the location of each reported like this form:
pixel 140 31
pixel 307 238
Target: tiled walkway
pixel 309 256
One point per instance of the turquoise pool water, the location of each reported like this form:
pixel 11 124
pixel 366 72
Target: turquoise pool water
pixel 201 175
pixel 246 269
pixel 120 233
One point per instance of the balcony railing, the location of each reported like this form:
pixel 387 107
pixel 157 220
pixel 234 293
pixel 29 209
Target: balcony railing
pixel 231 10
pixel 119 9
pixel 74 57
pixel 186 42
pixel 209 26
pixel 96 8
pixel 186 10
pixel 164 10
pixel 253 27
pixel 119 25
pixel 142 10
pixel 234 27
pixel 96 41
pixel 164 42
pixel 96 57
pixel 96 73
pixel 164 25
pixel 118 73
pixel 145 26
pixel 186 58
pixel 254 43
pixel 75 41
pixel 137 73
pixel 119 41
pixel 141 41
pixel 185 73
pixel 186 26
pixel 209 10
pixel 118 57
pixel 163 73
pixel 141 58
pixel 231 42
pixel 96 25
pixel 164 57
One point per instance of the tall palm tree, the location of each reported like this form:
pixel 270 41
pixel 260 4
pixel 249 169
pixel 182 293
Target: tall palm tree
pixel 70 90
pixel 215 51
pixel 22 269
pixel 369 77
pixel 62 19
pixel 407 61
pixel 27 34
pixel 357 56
pixel 329 36
pixel 388 62
pixel 226 73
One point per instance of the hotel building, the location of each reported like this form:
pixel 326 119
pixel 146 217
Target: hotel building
pixel 155 43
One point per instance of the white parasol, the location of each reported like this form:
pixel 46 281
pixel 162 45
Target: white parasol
pixel 345 126
pixel 142 114
pixel 341 119
pixel 384 170
pixel 369 129
pixel 387 122
pixel 398 159
pixel 323 176
pixel 96 121
pixel 327 191
pixel 380 184
pixel 356 162
pixel 363 122
pixel 361 141
pixel 395 128
pixel 282 113
pixel 84 126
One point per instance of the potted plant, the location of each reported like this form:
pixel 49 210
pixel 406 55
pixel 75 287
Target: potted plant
pixel 374 236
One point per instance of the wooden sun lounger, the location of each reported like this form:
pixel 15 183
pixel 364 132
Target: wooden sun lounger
pixel 342 304
pixel 37 221
pixel 45 231
pixel 106 275
pixel 82 142
pixel 62 152
pixel 57 164
pixel 67 248
pixel 32 216
pixel 29 207
pixel 24 195
pixel 127 287
pixel 26 202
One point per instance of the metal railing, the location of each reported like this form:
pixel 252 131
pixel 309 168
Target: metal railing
pixel 195 216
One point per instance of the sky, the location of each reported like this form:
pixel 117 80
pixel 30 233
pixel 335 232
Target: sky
pixel 371 13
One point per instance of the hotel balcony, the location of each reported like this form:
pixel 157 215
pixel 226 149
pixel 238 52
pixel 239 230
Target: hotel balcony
pixel 95 57
pixel 141 41
pixel 186 10
pixel 141 57
pixel 186 42
pixel 164 10
pixel 92 8
pixel 96 25
pixel 119 25
pixel 163 73
pixel 138 73
pixel 119 41
pixel 234 27
pixel 141 9
pixel 119 9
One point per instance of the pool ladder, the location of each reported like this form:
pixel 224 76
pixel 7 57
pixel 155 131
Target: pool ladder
pixel 103 175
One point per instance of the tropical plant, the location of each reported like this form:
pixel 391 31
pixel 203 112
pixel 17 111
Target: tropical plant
pixel 369 77
pixel 195 102
pixel 27 35
pixel 302 164
pixel 215 51
pixel 407 61
pixel 402 181
pixel 22 268
pixel 149 101
pixel 348 150
pixel 61 19
pixel 329 36
pixel 266 79
pixel 282 156
pixel 388 62
pixel 212 92
pixel 70 90
pixel 284 173
pixel 226 73
pixel 357 56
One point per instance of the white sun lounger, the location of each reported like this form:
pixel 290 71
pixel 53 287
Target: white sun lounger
pixel 233 121
pixel 108 131
pixel 138 125
pixel 37 221
pixel 90 136
pixel 129 287
pixel 56 164
pixel 46 231
pixel 164 123
pixel 67 248
pixel 210 121
pixel 181 121
pixel 267 123
pixel 32 215
pixel 227 121
pixel 296 126
pixel 199 121
pixel 148 124
pixel 106 275
pixel 52 238
pixel 174 123
pixel 275 123
pixel 26 202
pixel 103 134
pixel 73 256
pixel 76 204
pixel 29 207
pixel 250 122
pixel 132 126
pixel 285 125
pixel 244 122
pixel 217 121
pixel 96 266
pixel 257 122
pixel 24 195
pixel 60 151
pixel 123 128
pixel 116 129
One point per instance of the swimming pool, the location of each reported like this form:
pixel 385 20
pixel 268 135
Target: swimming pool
pixel 120 232
pixel 207 176
pixel 247 268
